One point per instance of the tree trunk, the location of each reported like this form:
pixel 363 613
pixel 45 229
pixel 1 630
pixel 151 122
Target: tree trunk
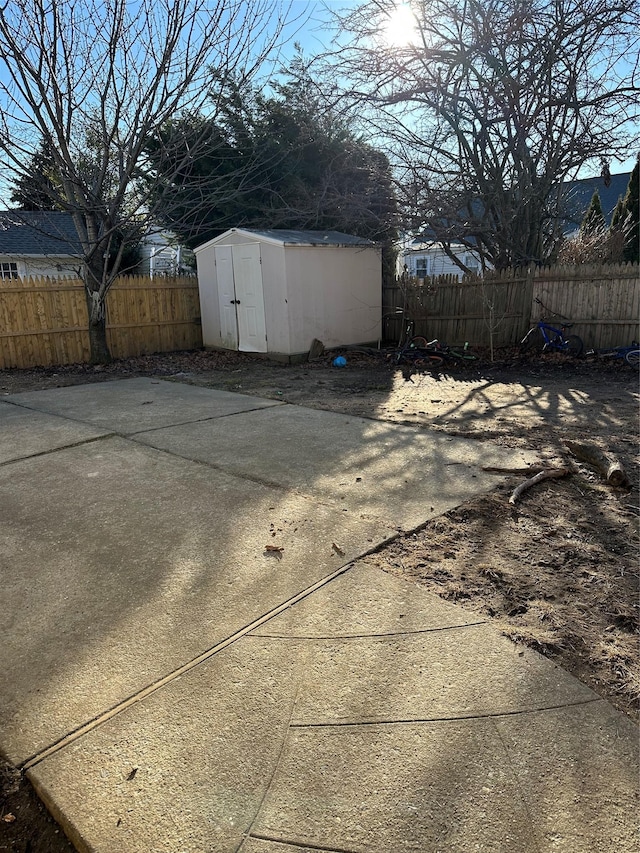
pixel 96 307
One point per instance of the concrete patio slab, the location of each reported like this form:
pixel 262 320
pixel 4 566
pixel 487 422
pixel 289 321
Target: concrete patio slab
pixel 259 845
pixel 24 432
pixel 203 749
pixel 577 769
pixel 403 474
pixel 419 787
pixel 365 602
pixel 127 562
pixel 174 687
pixel 129 405
pixel 452 786
pixel 220 755
pixel 455 673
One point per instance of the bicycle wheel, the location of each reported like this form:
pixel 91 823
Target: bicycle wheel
pixel 633 357
pixel 429 361
pixel 407 355
pixel 573 345
pixel 418 342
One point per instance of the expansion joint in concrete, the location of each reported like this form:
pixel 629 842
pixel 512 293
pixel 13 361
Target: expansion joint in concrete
pixel 53 450
pixel 112 712
pixel 387 634
pixel 299 845
pixel 403 721
pixel 200 420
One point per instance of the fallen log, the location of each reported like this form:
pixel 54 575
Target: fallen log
pixel 549 473
pixel 610 467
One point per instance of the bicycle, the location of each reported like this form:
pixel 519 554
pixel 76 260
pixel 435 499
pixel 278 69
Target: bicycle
pixel 416 351
pixel 629 353
pixel 451 353
pixel 545 337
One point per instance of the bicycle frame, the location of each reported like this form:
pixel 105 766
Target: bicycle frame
pixel 557 342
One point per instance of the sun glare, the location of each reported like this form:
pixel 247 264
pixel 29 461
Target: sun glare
pixel 400 28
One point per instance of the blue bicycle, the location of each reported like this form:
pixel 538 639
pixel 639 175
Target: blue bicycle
pixel 629 353
pixel 543 337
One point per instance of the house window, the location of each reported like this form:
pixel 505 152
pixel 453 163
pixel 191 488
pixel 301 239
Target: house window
pixel 422 267
pixel 8 269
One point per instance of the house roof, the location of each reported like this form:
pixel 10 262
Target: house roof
pixel 578 196
pixel 290 237
pixel 38 232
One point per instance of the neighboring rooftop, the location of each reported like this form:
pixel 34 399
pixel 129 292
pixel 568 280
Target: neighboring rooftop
pixel 579 193
pixel 38 232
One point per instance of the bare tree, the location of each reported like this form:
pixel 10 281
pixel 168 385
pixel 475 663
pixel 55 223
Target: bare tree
pixel 491 105
pixel 92 81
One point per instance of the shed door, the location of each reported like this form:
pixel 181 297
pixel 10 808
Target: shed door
pixel 247 272
pixel 226 297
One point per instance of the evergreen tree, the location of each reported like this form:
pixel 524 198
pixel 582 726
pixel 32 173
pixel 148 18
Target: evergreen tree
pixel 593 221
pixel 631 208
pixel 281 161
pixel 37 187
pixel 617 220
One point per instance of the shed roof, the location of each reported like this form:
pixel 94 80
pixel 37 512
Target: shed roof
pixel 291 237
pixel 38 232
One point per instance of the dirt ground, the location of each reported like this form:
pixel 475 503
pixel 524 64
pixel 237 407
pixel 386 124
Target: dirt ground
pixel 557 571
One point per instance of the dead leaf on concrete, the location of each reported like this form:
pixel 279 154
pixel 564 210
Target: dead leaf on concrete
pixel 273 551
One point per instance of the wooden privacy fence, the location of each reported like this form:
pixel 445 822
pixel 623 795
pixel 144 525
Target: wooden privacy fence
pixel 603 303
pixel 44 321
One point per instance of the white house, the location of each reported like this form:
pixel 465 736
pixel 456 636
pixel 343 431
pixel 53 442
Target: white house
pixel 162 254
pixel 275 291
pixel 38 243
pixel 427 259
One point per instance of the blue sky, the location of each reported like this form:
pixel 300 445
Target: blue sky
pixel 312 29
pixel 316 36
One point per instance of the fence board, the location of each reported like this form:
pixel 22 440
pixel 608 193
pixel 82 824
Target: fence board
pixel 44 321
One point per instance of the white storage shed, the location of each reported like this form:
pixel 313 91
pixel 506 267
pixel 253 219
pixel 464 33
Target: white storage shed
pixel 275 291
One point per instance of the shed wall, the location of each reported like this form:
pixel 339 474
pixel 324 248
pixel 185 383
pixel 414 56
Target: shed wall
pixel 335 295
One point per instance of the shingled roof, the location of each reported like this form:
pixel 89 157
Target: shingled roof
pixel 577 197
pixel 25 233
